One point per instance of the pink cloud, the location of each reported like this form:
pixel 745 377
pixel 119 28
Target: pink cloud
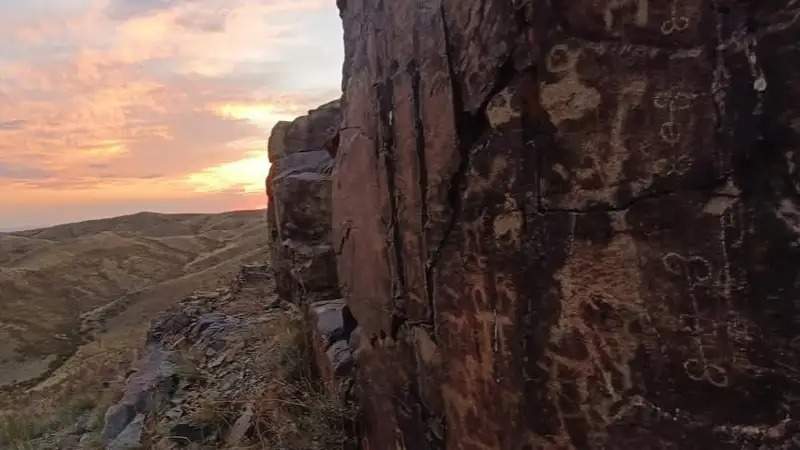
pixel 131 106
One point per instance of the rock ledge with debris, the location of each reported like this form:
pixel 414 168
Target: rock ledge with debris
pixel 230 369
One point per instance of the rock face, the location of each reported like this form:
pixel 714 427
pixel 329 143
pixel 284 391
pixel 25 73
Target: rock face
pixel 303 257
pixel 570 224
pixel 299 189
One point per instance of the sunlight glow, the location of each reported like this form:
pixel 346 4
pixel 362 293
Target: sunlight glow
pixel 265 115
pixel 246 174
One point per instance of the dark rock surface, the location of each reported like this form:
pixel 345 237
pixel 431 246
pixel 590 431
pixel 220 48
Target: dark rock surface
pixel 299 189
pixel 572 224
pixel 153 382
pixel 303 257
pixel 331 326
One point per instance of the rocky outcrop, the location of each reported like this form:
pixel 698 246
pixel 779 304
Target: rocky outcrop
pixel 572 224
pixel 153 382
pixel 299 190
pixel 228 369
pixel 303 257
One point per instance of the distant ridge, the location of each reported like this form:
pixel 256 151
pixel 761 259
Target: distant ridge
pixel 100 221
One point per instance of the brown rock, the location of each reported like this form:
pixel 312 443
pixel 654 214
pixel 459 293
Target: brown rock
pixel 572 224
pixel 277 141
pixel 299 188
pixel 307 133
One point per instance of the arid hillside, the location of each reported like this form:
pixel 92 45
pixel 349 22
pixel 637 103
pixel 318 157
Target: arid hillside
pixel 64 286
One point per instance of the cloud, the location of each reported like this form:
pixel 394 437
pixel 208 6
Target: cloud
pixel 126 9
pixel 205 21
pixel 130 102
pixel 21 172
pixel 12 125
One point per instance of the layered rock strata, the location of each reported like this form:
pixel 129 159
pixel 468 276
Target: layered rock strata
pixel 303 258
pixel 572 224
pixel 299 214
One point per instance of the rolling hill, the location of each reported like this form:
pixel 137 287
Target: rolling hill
pixel 64 286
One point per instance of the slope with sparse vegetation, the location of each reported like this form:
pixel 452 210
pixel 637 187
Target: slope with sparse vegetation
pixel 59 285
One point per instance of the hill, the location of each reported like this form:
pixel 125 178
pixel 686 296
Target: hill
pixel 64 286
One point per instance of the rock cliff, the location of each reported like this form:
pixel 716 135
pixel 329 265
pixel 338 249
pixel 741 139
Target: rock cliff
pixel 299 214
pixel 562 224
pixel 299 187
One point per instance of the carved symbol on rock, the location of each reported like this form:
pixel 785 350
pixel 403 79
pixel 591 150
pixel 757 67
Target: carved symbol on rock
pixel 696 271
pixel 675 23
pixel 699 369
pixel 672 101
pixel 560 59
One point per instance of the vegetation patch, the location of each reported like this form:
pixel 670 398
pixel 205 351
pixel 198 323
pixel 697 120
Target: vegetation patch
pixel 297 411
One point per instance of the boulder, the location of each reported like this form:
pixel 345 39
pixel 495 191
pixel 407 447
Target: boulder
pixel 331 326
pixel 239 430
pixel 314 131
pixel 339 360
pixel 131 437
pixel 146 390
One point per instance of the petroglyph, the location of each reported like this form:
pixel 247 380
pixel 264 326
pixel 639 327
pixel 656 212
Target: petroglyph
pixel 591 275
pixel 699 369
pixel 501 109
pixel 675 23
pixel 591 357
pixel 561 59
pixel 672 102
pixel 696 271
pixel 567 98
pixel 731 221
pixel 508 224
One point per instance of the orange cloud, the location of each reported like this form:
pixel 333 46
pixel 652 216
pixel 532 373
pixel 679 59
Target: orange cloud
pixel 114 104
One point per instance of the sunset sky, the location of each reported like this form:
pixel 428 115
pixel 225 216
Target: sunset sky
pixel 110 107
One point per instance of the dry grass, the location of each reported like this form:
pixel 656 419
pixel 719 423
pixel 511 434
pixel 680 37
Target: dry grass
pixel 296 411
pixel 78 397
pixel 18 430
pixel 213 414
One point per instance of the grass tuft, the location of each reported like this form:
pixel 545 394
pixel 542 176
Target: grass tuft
pixel 297 411
pixel 18 430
